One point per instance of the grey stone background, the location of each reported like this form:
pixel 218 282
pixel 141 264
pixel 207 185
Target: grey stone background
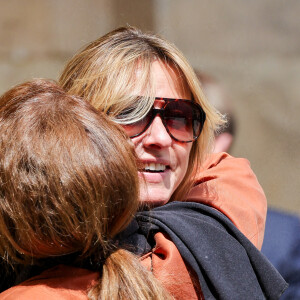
pixel 251 47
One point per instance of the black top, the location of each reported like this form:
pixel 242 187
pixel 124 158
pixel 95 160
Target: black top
pixel 228 265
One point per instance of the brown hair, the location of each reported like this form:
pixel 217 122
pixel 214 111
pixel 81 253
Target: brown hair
pixel 105 71
pixel 68 184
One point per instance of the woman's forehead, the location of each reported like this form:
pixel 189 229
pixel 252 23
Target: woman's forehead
pixel 167 81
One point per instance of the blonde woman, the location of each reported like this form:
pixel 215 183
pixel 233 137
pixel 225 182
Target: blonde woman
pixel 127 73
pixel 69 185
pixel 121 74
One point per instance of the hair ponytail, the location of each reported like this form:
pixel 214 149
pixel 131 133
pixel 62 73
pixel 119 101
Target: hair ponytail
pixel 123 277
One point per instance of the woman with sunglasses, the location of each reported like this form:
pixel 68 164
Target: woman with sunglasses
pixel 127 73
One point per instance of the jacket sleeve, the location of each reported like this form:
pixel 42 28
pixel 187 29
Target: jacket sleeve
pixel 60 282
pixel 229 185
pixel 170 269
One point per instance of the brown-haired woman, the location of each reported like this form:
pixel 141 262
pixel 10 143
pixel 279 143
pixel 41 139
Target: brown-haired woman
pixel 69 185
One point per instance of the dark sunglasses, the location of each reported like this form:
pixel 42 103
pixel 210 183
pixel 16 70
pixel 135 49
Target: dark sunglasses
pixel 183 120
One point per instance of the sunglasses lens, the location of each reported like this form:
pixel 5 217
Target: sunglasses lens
pixel 138 127
pixel 183 120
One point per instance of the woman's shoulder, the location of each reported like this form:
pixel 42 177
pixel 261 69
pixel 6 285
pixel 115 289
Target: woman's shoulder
pixel 60 282
pixel 229 185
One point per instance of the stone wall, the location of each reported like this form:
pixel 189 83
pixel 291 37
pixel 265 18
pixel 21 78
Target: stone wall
pixel 251 47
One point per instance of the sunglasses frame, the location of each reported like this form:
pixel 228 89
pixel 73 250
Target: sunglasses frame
pixel 160 111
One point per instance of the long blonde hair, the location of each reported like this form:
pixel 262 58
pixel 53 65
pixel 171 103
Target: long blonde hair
pixel 68 185
pixel 104 73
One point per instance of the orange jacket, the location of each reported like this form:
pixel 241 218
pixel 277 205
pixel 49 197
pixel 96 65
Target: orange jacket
pixel 229 185
pixel 166 264
pixel 60 282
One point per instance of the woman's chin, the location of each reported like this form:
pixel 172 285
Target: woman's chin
pixel 151 203
pixel 153 200
pixel 155 194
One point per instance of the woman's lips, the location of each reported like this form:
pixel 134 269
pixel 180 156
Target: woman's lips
pixel 154 167
pixel 154 172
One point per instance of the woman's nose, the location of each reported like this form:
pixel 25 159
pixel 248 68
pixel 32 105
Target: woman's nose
pixel 157 135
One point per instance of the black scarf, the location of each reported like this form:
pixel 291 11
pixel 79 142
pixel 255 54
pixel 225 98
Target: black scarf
pixel 228 265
